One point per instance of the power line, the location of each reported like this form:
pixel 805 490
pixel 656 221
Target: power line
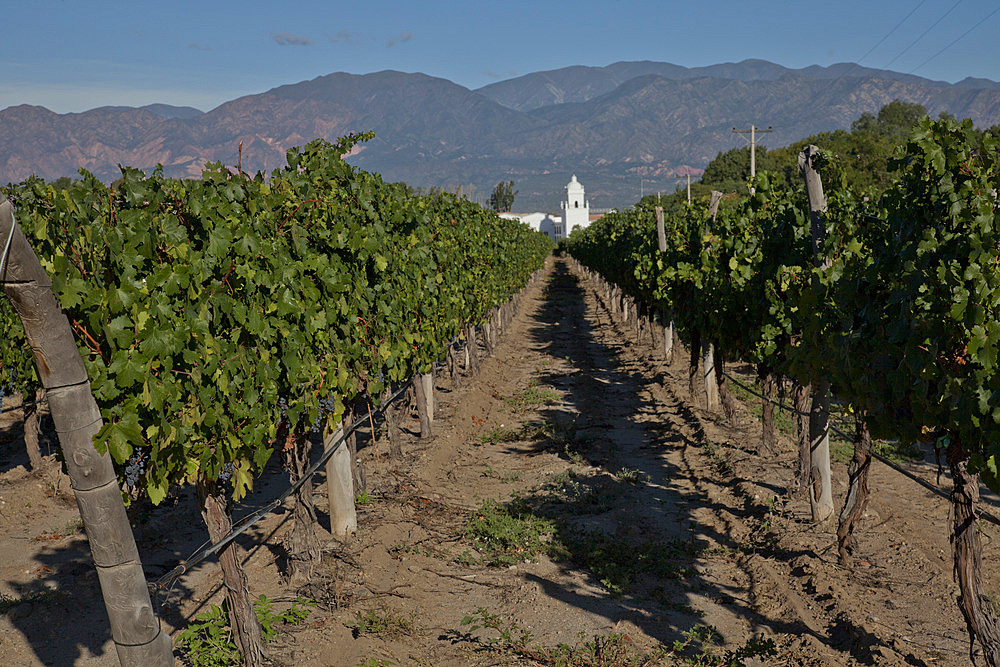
pixel 888 34
pixel 853 66
pixel 924 33
pixel 956 40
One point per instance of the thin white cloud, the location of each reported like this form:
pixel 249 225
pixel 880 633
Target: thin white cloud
pixel 343 36
pixel 288 39
pixel 398 39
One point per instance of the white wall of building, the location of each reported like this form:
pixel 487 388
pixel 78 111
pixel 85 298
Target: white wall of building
pixel 576 208
pixel 540 222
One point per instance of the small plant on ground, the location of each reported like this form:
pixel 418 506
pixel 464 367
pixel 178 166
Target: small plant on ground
pixel 618 563
pixel 366 499
pixel 632 476
pixel 382 622
pixel 531 397
pixel 500 435
pixel 507 534
pixel 208 641
pixel 376 662
pixel 512 635
pixel 496 474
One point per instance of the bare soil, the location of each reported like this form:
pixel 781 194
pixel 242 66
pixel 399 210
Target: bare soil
pixel 659 524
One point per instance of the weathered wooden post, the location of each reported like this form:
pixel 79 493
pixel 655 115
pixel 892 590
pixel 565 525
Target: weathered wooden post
pixel 423 406
pixel 708 345
pixel 820 486
pixel 134 627
pixel 667 319
pixel 340 486
pixel 428 383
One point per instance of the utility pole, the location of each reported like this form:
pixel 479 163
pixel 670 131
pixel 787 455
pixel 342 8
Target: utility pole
pixel 689 188
pixel 753 132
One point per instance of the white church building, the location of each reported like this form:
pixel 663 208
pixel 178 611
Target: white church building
pixel 575 213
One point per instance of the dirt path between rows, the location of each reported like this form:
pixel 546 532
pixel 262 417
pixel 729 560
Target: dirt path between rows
pixel 575 504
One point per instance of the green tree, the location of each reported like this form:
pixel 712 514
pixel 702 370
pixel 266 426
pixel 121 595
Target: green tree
pixel 502 199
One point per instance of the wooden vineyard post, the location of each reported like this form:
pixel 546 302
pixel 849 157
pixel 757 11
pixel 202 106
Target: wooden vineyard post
pixel 428 381
pixel 471 363
pixel 134 627
pixel 711 382
pixel 666 320
pixel 708 347
pixel 423 406
pixel 820 485
pixel 340 486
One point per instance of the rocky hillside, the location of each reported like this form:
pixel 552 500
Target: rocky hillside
pixel 619 128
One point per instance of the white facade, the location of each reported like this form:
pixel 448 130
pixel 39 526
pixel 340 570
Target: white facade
pixel 576 213
pixel 540 222
pixel 576 209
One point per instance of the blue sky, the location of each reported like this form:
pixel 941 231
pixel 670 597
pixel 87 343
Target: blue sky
pixel 72 55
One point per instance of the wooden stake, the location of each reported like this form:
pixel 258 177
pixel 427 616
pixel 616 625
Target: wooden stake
pixel 134 627
pixel 340 487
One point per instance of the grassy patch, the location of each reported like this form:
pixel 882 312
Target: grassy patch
pixel 507 534
pixel 491 473
pixel 697 647
pixel 618 564
pixel 382 622
pixel 532 397
pixel 208 640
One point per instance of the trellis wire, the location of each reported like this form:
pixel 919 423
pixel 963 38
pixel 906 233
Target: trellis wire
pixel 875 455
pixel 246 522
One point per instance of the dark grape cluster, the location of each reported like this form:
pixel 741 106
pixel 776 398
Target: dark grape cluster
pixel 326 406
pixel 227 472
pixel 135 468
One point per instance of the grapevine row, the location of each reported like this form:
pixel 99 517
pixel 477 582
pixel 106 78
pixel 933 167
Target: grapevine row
pixel 892 300
pixel 223 319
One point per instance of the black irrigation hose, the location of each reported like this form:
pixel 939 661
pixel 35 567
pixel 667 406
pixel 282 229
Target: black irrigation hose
pixel 875 455
pixel 21 406
pixel 246 522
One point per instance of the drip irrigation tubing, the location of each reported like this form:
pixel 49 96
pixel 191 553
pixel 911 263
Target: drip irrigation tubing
pixel 244 524
pixel 875 455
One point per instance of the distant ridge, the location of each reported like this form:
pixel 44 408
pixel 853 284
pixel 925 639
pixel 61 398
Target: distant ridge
pixel 624 128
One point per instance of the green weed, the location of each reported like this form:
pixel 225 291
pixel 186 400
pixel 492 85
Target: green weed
pixel 381 622
pixel 617 564
pixel 531 397
pixel 632 476
pixel 9 602
pixel 495 474
pixel 510 633
pixel 366 499
pixel 208 642
pixel 507 534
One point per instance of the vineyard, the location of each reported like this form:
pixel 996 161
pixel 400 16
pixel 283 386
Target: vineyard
pixel 626 454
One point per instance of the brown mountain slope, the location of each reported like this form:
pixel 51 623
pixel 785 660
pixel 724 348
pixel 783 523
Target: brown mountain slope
pixel 433 132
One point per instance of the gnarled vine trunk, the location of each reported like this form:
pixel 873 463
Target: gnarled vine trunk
pixel 392 413
pixel 768 390
pixel 216 513
pixel 693 364
pixel 33 430
pixel 857 491
pixel 304 553
pixel 800 400
pixel 975 604
pixel 728 402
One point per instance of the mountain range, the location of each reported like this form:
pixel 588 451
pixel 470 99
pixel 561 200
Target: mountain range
pixel 622 129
